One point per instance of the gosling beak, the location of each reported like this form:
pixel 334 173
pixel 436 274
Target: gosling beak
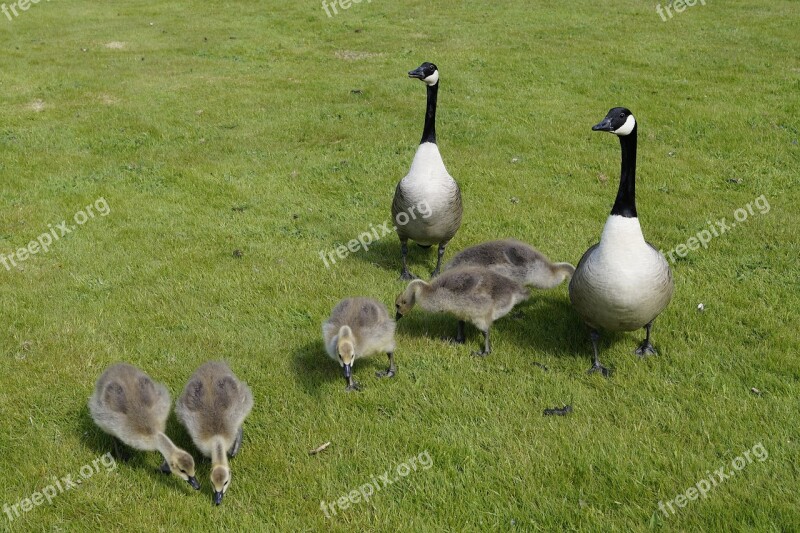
pixel 604 125
pixel 348 370
pixel 398 315
pixel 417 73
pixel 217 497
pixel 193 482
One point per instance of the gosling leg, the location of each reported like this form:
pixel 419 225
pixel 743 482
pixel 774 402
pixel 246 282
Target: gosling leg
pixel 120 452
pixel 645 348
pixel 165 469
pixel 442 246
pixel 405 274
pixel 597 367
pixel 487 345
pixel 237 444
pixel 389 372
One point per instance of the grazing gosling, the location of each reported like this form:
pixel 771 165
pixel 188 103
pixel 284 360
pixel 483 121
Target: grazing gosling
pixel 213 406
pixel 359 327
pixel 128 405
pixel 472 294
pixel 516 260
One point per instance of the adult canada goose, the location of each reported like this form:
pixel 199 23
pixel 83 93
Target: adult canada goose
pixel 516 260
pixel 623 282
pixel 427 202
pixel 213 406
pixel 128 405
pixel 359 327
pixel 472 294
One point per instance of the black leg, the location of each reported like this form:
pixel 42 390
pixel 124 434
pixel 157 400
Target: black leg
pixel 237 444
pixel 352 385
pixel 645 348
pixel 389 372
pixel 165 467
pixel 487 345
pixel 120 452
pixel 597 367
pixel 405 274
pixel 435 272
pixel 460 336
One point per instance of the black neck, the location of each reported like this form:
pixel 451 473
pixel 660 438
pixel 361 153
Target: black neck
pixel 625 205
pixel 429 133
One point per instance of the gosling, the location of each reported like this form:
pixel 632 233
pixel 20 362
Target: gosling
pixel 472 294
pixel 213 406
pixel 131 407
pixel 516 260
pixel 359 327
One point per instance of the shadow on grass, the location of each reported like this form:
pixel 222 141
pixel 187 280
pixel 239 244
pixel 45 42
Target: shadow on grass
pixel 314 369
pixel 100 443
pixel 385 254
pixel 545 324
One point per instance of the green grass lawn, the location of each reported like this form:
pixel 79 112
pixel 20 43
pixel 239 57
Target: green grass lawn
pixel 275 130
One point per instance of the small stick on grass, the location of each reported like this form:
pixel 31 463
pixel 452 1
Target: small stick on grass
pixel 319 448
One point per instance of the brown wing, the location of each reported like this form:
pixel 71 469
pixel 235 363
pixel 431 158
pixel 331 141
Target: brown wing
pixel 459 282
pixel 194 395
pixel 114 397
pixel 226 390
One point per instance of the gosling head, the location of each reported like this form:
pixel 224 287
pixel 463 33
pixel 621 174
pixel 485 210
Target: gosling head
pixel 182 465
pixel 220 481
pixel 405 301
pixel 426 72
pixel 618 121
pixel 345 348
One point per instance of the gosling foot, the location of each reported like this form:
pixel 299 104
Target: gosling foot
pixel 389 373
pixel 354 386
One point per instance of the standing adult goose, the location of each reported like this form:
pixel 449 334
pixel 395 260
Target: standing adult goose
pixel 516 260
pixel 623 282
pixel 427 202
pixel 133 408
pixel 213 406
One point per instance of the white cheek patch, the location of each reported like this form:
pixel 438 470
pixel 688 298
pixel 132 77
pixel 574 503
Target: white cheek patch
pixel 626 128
pixel 433 79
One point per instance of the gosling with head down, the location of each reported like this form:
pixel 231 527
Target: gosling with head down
pixel 213 407
pixel 131 407
pixel 359 327
pixel 472 294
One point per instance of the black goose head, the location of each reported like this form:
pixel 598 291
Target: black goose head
pixel 619 121
pixel 426 72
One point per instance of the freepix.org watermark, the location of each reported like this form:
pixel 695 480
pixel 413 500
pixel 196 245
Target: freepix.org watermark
pixel 344 4
pixel 59 486
pixel 44 241
pixel 702 487
pixel 719 227
pixel 374 234
pixel 364 492
pixel 23 5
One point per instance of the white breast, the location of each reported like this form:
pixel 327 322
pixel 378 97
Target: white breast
pixel 428 179
pixel 624 283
